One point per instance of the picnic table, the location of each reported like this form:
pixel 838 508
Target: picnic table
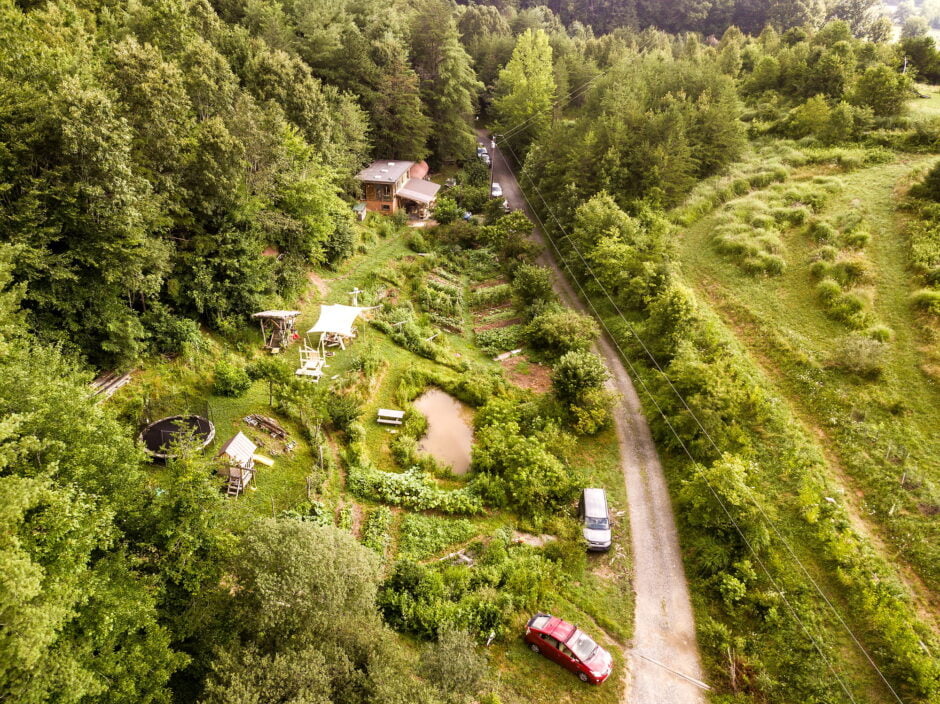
pixel 390 417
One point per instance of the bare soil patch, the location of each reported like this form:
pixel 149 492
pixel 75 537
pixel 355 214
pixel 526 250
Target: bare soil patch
pixel 496 324
pixel 527 374
pixel 321 284
pixel 488 284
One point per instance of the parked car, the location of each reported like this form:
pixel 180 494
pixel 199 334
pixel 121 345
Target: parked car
pixel 569 646
pixel 481 150
pixel 595 518
pixel 486 159
pixel 496 190
pixel 506 207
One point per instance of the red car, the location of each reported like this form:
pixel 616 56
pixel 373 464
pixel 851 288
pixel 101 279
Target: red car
pixel 569 646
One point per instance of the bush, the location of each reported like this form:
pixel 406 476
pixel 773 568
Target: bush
pixel 860 355
pixel 230 379
pixel 561 330
pixel 343 410
pixel 447 211
pixel 855 239
pixel 520 471
pixel 169 333
pixel 577 373
pixel 881 333
pixel 591 413
pixel 532 284
pixel 417 243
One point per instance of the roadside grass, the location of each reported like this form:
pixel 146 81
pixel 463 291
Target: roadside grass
pixel 880 435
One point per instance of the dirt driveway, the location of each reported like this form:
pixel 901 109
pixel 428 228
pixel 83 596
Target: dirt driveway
pixel 663 658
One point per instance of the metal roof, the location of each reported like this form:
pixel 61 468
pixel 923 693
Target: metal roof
pixel 277 314
pixel 418 190
pixel 384 171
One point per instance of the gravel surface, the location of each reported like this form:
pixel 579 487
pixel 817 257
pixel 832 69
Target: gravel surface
pixel 663 656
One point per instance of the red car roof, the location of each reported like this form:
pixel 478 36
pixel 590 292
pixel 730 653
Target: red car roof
pixel 559 629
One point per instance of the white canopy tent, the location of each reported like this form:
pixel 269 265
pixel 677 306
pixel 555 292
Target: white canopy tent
pixel 337 320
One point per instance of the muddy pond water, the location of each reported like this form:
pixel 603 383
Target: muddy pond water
pixel 450 435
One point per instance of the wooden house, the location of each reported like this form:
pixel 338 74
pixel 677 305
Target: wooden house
pixel 390 186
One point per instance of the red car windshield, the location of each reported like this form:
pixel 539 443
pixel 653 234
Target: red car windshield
pixel 582 646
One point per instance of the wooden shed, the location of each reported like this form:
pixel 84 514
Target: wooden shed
pixel 278 328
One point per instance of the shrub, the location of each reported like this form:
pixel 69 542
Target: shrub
pixel 591 413
pixel 343 410
pixel 927 300
pixel 828 289
pixel 522 471
pixel 860 355
pixel 230 379
pixel 447 211
pixel 577 373
pixel 168 333
pixel 531 284
pixel 417 243
pixel 821 231
pixel 561 330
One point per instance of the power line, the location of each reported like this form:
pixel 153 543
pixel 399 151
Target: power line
pixel 700 425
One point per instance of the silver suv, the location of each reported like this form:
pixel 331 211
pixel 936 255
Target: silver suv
pixel 595 518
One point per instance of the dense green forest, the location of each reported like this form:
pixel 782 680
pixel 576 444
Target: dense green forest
pixel 745 191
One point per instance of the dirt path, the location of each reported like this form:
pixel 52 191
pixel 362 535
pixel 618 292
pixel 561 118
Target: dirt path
pixel 664 656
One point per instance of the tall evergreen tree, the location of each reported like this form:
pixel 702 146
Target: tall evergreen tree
pixel 525 92
pixel 449 85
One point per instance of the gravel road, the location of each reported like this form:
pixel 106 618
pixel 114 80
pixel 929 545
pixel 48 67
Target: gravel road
pixel 663 657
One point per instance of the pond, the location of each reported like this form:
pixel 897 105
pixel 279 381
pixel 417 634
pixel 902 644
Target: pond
pixel 450 435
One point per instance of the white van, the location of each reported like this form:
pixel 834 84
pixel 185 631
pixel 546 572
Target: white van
pixel 593 514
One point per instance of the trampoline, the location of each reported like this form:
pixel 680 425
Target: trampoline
pixel 159 435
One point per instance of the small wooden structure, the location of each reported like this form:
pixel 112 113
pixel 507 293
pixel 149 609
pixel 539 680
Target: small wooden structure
pixel 312 362
pixel 278 328
pixel 237 463
pixel 390 417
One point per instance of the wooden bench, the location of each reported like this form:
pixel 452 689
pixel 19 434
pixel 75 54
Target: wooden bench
pixel 390 417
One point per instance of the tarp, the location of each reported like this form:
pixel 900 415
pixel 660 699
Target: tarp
pixel 419 191
pixel 337 319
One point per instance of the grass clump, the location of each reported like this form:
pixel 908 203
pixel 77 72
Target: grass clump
pixel 927 300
